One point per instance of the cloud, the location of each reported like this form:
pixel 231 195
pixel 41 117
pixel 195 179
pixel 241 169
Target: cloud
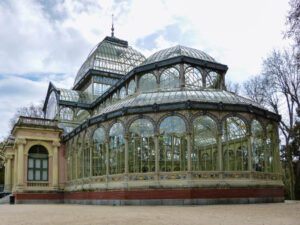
pixel 48 40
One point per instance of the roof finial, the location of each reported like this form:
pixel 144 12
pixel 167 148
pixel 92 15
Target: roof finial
pixel 112 26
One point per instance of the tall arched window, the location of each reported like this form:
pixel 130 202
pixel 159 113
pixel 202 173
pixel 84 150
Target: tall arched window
pixel 52 106
pixel 82 115
pixel 66 114
pixel 37 163
pixel 114 98
pixel 87 155
pixel 147 83
pixel 258 157
pixel 131 87
pixel 116 149
pixel 122 93
pixel 141 147
pixel 204 153
pixel 235 154
pixel 169 79
pixel 173 151
pixel 193 78
pixel 99 152
pixel 269 152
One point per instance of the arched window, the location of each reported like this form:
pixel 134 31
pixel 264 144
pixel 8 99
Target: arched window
pixel 173 151
pixel 116 149
pixel 235 154
pixel 114 98
pixel 37 163
pixel 87 155
pixel 258 158
pixel 141 147
pixel 213 80
pixel 122 93
pixel 169 79
pixel 270 145
pixel 205 150
pixel 82 115
pixel 147 83
pixel 66 114
pixel 52 106
pixel 99 152
pixel 193 78
pixel 131 87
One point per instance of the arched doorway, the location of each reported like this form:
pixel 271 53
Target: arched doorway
pixel 37 163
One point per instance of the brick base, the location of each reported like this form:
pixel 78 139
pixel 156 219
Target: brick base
pixel 159 196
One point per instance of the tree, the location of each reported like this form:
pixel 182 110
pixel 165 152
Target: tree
pixel 278 89
pixel 29 111
pixel 233 87
pixel 293 22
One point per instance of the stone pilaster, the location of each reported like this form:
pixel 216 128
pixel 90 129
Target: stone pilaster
pixel 8 178
pixel 55 146
pixel 20 172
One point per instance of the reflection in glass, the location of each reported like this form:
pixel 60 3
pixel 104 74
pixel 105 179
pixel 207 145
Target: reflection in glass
pixel 173 151
pixel 99 152
pixel 204 152
pixel 193 78
pixel 141 147
pixel 235 154
pixel 116 149
pixel 169 79
pixel 147 83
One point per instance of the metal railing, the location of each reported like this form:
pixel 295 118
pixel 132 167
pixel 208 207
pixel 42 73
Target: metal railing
pixel 37 184
pixel 36 121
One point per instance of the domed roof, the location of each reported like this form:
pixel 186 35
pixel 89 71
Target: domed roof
pixel 111 55
pixel 178 50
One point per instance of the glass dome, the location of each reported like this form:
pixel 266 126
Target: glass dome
pixel 111 55
pixel 178 50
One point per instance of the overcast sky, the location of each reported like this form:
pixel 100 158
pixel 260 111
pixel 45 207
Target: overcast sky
pixel 48 40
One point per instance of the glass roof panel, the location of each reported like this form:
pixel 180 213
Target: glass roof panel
pixel 110 56
pixel 162 97
pixel 75 96
pixel 178 51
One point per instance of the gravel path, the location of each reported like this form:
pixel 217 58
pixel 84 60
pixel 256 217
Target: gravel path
pixel 263 214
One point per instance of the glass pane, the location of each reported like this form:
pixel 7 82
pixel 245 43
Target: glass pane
pixel 147 83
pixel 131 87
pixel 51 110
pixel 99 135
pixel 37 163
pixel 45 175
pixel 169 79
pixel 37 175
pixel 30 174
pixel 172 124
pixel 193 77
pixel 213 80
pixel 30 163
pixel 45 163
pixel 66 114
